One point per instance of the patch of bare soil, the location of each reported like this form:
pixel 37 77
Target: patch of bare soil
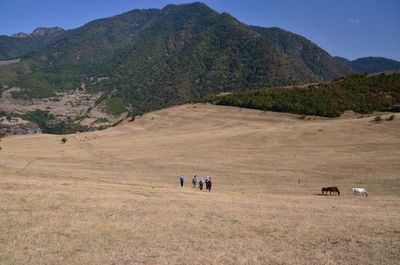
pixel 74 103
pixel 7 62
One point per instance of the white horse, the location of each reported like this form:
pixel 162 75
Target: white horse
pixel 361 191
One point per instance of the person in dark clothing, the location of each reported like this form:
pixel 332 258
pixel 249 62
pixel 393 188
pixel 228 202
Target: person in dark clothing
pixel 194 181
pixel 201 182
pixel 210 182
pixel 207 183
pixel 182 179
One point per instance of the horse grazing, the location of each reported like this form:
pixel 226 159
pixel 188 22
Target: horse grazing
pixel 335 190
pixel 331 190
pixel 358 191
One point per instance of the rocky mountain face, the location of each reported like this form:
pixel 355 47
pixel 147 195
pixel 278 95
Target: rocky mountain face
pixel 20 35
pixel 371 64
pixel 46 32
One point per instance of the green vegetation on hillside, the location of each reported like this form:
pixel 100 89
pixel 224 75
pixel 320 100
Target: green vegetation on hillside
pixel 1 90
pixel 14 47
pixel 48 124
pixel 305 53
pixel 358 92
pixel 100 120
pixel 152 59
pixel 116 105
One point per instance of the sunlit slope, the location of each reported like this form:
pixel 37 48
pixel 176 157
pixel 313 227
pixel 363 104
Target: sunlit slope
pixel 112 196
pixel 244 149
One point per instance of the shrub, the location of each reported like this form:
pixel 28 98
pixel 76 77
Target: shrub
pixel 100 120
pixel 116 106
pixel 117 123
pixel 378 118
pixel 64 140
pixel 391 117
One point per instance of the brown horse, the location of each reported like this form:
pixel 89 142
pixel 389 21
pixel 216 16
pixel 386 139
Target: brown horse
pixel 335 190
pixel 331 190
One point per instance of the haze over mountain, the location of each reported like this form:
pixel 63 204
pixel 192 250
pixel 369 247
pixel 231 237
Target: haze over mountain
pixel 150 59
pixel 371 64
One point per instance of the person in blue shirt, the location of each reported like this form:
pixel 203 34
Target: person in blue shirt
pixel 182 179
pixel 201 183
pixel 194 181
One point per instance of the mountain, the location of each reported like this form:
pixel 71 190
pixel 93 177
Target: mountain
pixel 305 53
pixel 343 60
pixel 21 43
pixel 371 64
pixel 150 59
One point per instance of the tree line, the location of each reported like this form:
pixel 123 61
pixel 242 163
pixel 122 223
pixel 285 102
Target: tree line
pixel 359 92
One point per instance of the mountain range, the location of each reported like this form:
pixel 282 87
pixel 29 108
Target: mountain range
pixel 150 59
pixel 21 43
pixel 371 64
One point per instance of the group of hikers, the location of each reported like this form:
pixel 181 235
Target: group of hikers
pixel 208 182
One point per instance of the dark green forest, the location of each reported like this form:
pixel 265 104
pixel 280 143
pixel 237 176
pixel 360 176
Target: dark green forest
pixel 359 92
pixel 48 124
pixel 145 60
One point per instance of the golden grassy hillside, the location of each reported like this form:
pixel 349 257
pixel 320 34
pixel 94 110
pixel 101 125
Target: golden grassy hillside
pixel 112 197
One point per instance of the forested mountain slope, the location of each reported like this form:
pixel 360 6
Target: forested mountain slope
pixel 150 59
pixel 371 64
pixel 359 92
pixel 19 44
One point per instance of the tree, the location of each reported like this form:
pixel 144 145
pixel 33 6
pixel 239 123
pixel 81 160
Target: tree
pixel 64 140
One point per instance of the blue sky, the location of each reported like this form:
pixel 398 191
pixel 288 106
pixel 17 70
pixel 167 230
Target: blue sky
pixel 351 29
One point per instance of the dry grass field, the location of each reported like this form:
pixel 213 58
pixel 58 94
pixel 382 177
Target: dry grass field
pixel 112 196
